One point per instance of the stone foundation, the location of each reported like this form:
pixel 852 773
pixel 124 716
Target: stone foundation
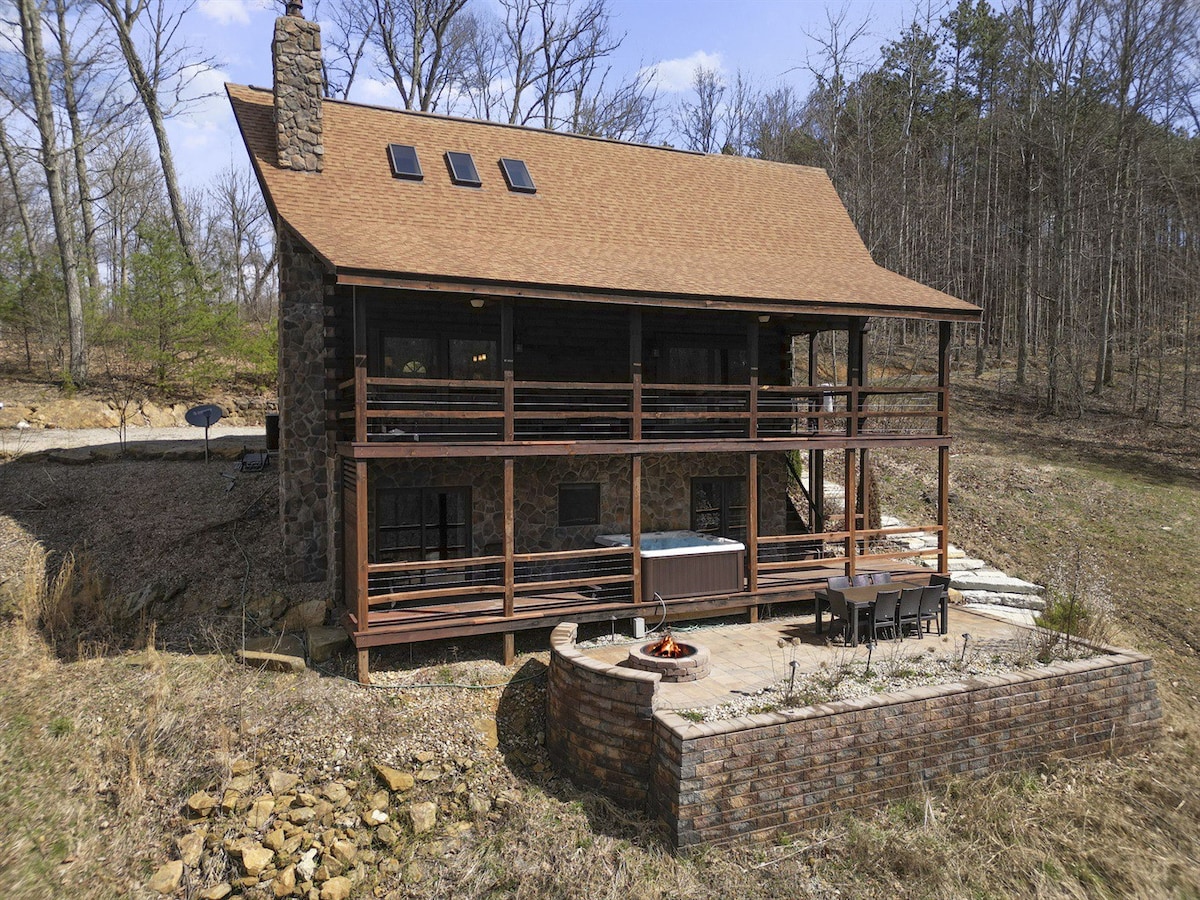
pixel 783 772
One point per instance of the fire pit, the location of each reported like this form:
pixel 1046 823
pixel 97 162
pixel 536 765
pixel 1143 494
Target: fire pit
pixel 674 660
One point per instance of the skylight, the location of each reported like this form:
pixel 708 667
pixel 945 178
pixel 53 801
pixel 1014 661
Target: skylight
pixel 404 162
pixel 462 169
pixel 516 173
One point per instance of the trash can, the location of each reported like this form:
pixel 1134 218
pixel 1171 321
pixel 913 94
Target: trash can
pixel 272 431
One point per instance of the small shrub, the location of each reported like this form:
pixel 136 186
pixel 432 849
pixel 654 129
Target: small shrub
pixel 1079 607
pixel 61 726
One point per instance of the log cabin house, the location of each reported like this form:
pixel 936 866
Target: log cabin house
pixel 528 376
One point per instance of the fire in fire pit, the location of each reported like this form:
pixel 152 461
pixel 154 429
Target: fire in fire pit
pixel 670 648
pixel 674 660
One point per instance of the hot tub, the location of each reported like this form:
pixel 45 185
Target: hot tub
pixel 685 563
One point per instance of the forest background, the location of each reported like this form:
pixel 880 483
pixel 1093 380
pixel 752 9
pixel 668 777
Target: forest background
pixel 1040 158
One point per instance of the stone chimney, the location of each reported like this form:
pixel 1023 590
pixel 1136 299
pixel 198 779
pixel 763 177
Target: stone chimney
pixel 296 60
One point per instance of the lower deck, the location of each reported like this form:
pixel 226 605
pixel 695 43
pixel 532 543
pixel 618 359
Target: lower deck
pixel 461 546
pixel 467 617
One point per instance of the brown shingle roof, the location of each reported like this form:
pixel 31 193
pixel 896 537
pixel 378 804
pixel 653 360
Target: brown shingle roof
pixel 607 216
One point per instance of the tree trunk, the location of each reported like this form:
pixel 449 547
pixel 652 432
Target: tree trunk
pixel 43 103
pixel 91 266
pixel 147 92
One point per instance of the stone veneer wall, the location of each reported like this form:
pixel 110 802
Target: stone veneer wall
pixel 666 494
pixel 787 771
pixel 599 720
pixel 296 59
pixel 667 487
pixel 306 476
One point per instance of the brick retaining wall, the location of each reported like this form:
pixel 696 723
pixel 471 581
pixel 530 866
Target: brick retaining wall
pixel 599 720
pixel 788 771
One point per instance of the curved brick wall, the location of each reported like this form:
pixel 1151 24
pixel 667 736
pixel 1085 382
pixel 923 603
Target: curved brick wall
pixel 787 771
pixel 599 721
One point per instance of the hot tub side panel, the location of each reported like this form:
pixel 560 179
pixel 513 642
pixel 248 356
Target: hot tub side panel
pixel 693 575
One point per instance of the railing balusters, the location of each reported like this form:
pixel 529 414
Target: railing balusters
pixel 457 411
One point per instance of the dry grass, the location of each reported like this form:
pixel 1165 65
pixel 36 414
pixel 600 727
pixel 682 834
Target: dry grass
pixel 98 752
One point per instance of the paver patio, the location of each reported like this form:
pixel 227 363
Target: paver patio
pixel 747 658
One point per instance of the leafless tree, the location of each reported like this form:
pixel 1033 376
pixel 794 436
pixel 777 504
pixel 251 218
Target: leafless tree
pixel 701 119
pixel 161 78
pixel 421 45
pixel 30 16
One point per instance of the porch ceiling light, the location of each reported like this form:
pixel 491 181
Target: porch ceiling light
pixel 476 303
pixel 764 319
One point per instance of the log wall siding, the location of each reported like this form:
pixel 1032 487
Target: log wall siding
pixel 777 773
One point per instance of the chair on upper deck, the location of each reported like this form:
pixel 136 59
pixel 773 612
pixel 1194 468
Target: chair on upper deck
pixel 942 581
pixel 860 580
pixel 931 607
pixel 881 578
pixel 910 610
pixel 883 613
pixel 838 582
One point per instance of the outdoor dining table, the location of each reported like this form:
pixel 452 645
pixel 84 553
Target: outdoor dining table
pixel 863 598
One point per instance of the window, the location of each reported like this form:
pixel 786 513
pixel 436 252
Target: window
pixel 701 359
pixel 416 524
pixel 719 507
pixel 578 504
pixel 438 357
pixel 517 177
pixel 462 169
pixel 404 162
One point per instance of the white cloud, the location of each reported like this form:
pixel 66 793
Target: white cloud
pixel 228 12
pixel 674 76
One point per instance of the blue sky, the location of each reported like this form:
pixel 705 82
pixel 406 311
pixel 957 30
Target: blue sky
pixel 765 39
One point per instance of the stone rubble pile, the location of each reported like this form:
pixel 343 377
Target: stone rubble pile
pixel 275 834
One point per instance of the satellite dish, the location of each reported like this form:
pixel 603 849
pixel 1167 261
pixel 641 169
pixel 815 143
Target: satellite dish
pixel 202 417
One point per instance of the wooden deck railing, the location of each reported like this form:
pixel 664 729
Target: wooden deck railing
pixel 595 578
pixel 476 584
pixel 457 411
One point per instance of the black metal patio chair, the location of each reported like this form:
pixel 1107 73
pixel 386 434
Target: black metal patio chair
pixel 883 613
pixel 910 610
pixel 931 607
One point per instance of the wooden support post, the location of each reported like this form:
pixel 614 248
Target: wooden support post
pixel 364 666
pixel 510 538
pixel 361 526
pixel 816 489
pixel 752 523
pixel 635 372
pixel 510 648
pixel 635 523
pixel 854 375
pixel 943 427
pixel 864 503
pixel 360 366
pixel 752 357
pixel 507 361
pixel 851 514
pixel 944 509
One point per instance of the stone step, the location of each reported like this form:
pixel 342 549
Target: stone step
pixel 966 564
pixel 1001 598
pixel 992 580
pixel 1007 613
